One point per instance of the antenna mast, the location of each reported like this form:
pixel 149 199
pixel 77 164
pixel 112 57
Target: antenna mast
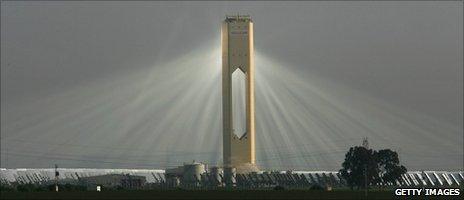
pixel 365 143
pixel 56 177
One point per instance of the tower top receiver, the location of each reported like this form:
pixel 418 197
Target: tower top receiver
pixel 238 18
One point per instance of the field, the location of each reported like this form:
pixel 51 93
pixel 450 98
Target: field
pixel 209 194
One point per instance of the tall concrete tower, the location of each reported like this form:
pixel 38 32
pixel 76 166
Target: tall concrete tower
pixel 237 61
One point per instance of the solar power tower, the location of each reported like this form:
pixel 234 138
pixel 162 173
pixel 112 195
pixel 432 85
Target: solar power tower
pixel 237 61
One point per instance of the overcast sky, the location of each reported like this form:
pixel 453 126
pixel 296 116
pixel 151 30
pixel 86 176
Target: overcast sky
pixel 407 54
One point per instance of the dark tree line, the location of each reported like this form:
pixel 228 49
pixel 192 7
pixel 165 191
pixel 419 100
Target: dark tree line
pixel 364 167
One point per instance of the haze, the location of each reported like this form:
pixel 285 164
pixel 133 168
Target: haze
pixel 137 84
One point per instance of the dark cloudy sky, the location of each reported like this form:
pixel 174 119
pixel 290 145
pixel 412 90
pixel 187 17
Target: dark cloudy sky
pixel 406 54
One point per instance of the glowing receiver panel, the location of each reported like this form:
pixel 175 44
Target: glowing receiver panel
pixel 238 72
pixel 239 103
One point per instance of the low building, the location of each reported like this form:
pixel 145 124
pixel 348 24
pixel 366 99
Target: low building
pixel 188 175
pixel 114 181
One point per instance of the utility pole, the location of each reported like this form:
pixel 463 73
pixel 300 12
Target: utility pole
pixel 365 143
pixel 56 177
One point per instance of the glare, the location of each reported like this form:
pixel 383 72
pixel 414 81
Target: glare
pixel 307 121
pixel 170 113
pixel 238 102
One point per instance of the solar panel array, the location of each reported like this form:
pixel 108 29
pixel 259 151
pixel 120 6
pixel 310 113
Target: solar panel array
pixel 69 175
pixel 294 179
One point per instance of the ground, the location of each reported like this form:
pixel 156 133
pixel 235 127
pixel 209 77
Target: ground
pixel 211 194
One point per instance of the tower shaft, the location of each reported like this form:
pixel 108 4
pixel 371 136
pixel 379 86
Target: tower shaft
pixel 237 54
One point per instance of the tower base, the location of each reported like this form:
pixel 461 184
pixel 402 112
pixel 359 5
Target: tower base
pixel 230 173
pixel 246 168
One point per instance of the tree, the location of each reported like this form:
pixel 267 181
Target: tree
pixel 363 167
pixel 359 166
pixel 390 169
